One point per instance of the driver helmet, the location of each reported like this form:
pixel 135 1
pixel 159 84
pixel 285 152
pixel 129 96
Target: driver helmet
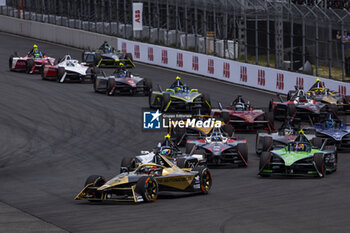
pixel 36 55
pixel 288 131
pixel 178 89
pixel 239 107
pixel 165 151
pixel 330 123
pixel 122 74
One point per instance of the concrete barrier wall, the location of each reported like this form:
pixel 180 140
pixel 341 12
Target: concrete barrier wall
pixel 260 77
pixel 53 33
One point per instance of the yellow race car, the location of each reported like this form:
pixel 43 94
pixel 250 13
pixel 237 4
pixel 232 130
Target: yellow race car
pixel 144 183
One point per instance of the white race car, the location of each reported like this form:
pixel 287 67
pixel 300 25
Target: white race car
pixel 69 69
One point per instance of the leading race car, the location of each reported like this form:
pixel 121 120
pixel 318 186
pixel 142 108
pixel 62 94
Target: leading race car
pixel 108 57
pixel 68 69
pixel 299 157
pixel 219 149
pixel 179 98
pixel 300 107
pixel 288 132
pixel 243 117
pixel 146 181
pixel 122 81
pixel 31 64
pixel 334 131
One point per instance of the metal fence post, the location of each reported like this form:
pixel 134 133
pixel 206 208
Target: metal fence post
pixel 149 20
pixel 256 41
pixel 225 28
pixel 167 22
pixel 268 40
pixel 205 28
pixel 158 23
pixel 195 28
pixel 245 38
pixel 125 35
pixel 186 25
pixel 110 16
pixel 176 22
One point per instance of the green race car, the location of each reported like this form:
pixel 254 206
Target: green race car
pixel 299 158
pixel 179 98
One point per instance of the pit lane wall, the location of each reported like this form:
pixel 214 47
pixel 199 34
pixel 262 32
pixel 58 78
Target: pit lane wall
pixel 260 77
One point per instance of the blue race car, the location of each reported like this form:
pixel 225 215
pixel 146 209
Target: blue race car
pixel 334 131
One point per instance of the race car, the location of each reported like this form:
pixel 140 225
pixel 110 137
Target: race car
pixel 179 98
pixel 299 158
pixel 168 149
pixel 319 92
pixel 334 131
pixel 218 149
pixel 30 64
pixel 193 130
pixel 144 184
pixel 288 132
pixel 68 69
pixel 122 82
pixel 109 58
pixel 243 117
pixel 300 107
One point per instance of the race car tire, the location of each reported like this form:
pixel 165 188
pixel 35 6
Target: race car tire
pixel 189 148
pixel 110 85
pixel 29 65
pixel 83 56
pixel 60 73
pixel 42 72
pixel 148 86
pixel 205 178
pixel 271 108
pixel 97 181
pixel 165 101
pixel 333 108
pixel 179 133
pixel 320 164
pixel 129 55
pixel 228 129
pixel 226 117
pixel 147 187
pixel 206 107
pixel 291 110
pixel 129 163
pixel 242 148
pixel 335 162
pixel 94 71
pixel 266 143
pixel 290 94
pixel 317 142
pixel 264 163
pixel 10 62
pixel 97 59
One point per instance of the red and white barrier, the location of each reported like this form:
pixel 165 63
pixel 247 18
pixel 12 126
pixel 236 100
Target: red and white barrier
pixel 265 78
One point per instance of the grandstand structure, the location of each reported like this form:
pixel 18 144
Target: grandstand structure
pixel 284 34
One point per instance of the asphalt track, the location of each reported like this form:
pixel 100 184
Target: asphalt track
pixel 53 136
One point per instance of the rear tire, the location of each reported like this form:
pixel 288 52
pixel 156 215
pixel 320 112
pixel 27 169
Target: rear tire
pixel 147 187
pixel 226 117
pixel 60 73
pixel 10 62
pixel 97 59
pixel 189 147
pixel 42 72
pixel 148 87
pixel 29 65
pixel 129 163
pixel 316 142
pixel 206 107
pixel 267 143
pixel 228 129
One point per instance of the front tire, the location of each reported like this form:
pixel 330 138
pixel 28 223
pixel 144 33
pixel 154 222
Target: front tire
pixel 205 179
pixel 147 187
pixel 320 164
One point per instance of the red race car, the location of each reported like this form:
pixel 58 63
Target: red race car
pixel 30 64
pixel 243 117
